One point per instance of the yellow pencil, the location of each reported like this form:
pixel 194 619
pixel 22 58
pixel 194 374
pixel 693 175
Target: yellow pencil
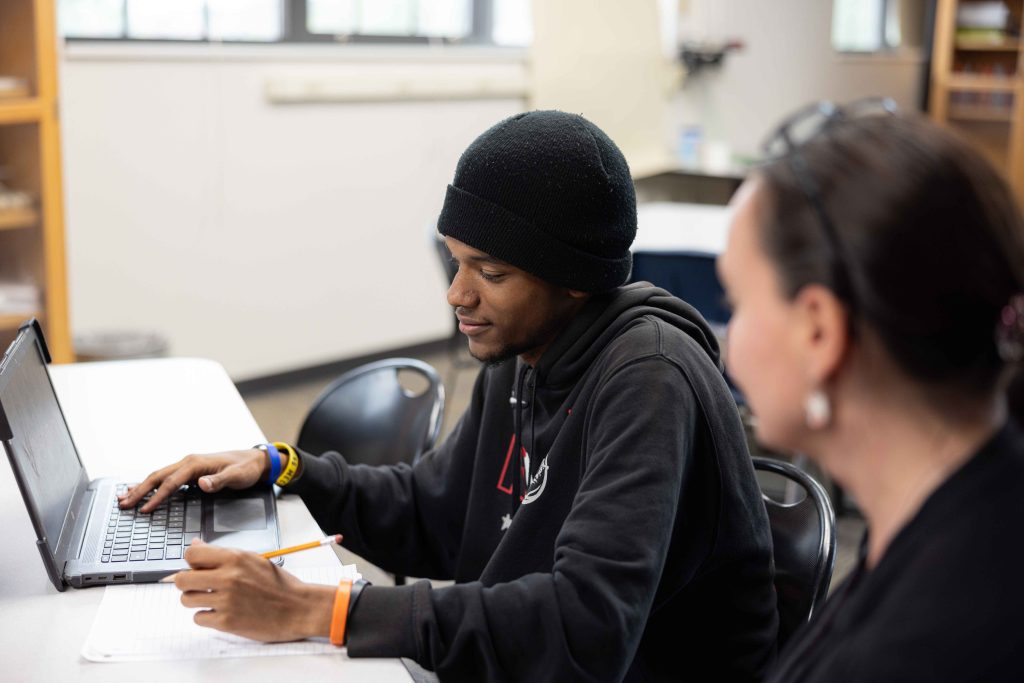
pixel 327 540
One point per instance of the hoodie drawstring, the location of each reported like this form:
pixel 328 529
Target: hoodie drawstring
pixel 533 432
pixel 518 437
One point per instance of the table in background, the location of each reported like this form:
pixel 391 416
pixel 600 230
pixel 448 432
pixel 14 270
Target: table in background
pixel 129 418
pixel 675 248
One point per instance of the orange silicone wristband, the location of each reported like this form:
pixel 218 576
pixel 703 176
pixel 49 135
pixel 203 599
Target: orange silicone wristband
pixel 340 614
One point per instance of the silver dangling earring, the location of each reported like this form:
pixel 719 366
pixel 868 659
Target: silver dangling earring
pixel 817 410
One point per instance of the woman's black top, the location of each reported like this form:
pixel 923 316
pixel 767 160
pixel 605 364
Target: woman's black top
pixel 946 601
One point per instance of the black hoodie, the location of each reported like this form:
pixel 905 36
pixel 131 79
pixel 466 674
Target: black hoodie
pixel 635 548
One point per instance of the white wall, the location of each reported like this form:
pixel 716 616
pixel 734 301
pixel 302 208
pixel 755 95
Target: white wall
pixel 787 61
pixel 266 236
pixel 276 236
pixel 605 59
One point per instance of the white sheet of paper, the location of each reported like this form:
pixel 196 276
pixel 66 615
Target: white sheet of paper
pixel 146 622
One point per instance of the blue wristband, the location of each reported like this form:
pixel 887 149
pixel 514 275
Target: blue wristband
pixel 275 462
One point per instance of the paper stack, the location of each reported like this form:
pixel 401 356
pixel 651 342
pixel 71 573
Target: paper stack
pixel 146 622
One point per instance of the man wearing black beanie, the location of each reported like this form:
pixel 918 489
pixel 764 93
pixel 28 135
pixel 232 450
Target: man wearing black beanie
pixel 595 505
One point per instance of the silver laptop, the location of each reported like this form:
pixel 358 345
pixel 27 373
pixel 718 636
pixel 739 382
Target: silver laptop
pixel 82 535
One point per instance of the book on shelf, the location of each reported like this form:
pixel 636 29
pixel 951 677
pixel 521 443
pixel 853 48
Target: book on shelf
pixel 18 298
pixel 12 87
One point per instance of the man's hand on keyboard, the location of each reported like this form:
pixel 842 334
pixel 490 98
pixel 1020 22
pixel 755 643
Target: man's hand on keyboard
pixel 245 594
pixel 213 472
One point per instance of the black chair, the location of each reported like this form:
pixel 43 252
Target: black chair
pixel 368 416
pixel 804 539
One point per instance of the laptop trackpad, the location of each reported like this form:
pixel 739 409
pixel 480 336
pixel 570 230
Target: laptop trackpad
pixel 239 514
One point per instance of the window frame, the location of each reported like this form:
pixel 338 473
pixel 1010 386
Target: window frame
pixel 296 31
pixel 884 48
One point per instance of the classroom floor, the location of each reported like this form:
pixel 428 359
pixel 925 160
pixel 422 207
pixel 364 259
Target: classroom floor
pixel 279 413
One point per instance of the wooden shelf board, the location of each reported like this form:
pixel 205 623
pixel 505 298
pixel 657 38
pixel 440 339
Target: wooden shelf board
pixel 20 92
pixel 11 321
pixel 12 219
pixel 28 110
pixel 1006 45
pixel 980 113
pixel 977 83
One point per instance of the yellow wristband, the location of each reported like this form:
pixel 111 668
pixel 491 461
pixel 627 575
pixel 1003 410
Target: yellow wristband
pixel 289 470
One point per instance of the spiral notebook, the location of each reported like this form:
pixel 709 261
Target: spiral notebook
pixel 146 622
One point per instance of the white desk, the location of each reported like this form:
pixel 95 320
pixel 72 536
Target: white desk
pixel 129 418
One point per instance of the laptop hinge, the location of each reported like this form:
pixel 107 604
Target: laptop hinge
pixel 5 426
pixel 40 340
pixel 50 562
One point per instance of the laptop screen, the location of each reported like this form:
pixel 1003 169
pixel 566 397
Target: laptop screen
pixel 41 447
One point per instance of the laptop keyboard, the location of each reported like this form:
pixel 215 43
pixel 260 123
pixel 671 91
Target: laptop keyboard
pixel 162 534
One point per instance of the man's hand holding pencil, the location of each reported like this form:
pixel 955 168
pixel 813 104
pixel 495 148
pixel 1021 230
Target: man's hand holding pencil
pixel 242 593
pixel 237 591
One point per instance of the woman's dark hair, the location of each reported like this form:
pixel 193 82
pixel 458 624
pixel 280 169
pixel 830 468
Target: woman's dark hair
pixel 931 241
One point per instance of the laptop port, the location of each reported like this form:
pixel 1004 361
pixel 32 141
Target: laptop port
pixel 120 577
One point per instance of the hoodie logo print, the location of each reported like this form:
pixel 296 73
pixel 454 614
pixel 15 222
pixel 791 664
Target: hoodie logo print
pixel 508 469
pixel 538 483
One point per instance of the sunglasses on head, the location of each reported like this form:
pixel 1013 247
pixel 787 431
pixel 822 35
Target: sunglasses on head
pixel 792 134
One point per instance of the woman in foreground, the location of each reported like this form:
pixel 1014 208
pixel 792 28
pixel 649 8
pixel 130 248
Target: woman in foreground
pixel 876 270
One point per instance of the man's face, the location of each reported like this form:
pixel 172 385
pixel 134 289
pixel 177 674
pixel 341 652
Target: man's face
pixel 505 311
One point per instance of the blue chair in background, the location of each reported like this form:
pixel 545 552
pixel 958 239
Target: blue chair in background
pixel 689 275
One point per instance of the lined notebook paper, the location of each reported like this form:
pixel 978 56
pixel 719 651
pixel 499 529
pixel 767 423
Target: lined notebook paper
pixel 145 622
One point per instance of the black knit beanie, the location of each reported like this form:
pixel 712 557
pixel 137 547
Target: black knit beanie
pixel 550 193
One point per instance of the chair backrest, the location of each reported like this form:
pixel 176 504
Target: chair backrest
pixel 368 416
pixel 804 540
pixel 689 275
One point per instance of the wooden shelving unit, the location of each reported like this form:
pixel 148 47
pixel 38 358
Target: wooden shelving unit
pixel 32 240
pixel 975 45
pixel 27 110
pixel 14 219
pixel 964 113
pixel 976 83
pixel 977 86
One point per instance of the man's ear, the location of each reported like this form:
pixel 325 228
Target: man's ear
pixel 576 294
pixel 823 332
